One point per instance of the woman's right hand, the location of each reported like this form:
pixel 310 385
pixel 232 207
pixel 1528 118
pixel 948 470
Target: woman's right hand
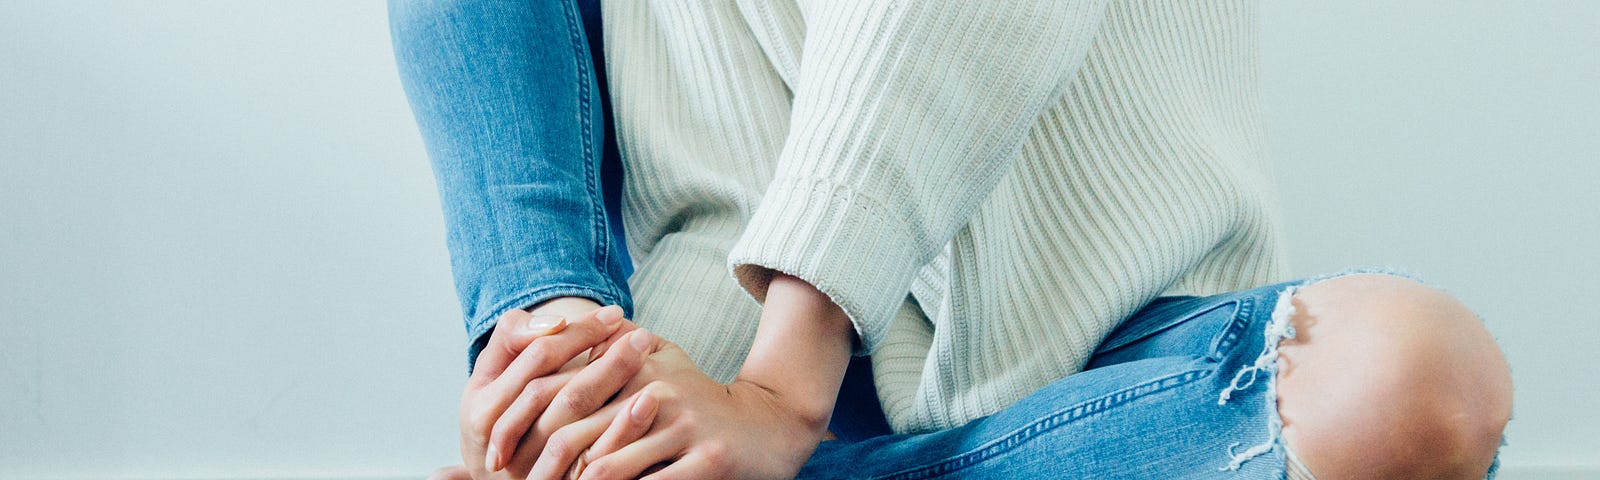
pixel 530 380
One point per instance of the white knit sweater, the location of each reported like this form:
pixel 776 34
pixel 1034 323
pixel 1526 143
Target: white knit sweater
pixel 986 187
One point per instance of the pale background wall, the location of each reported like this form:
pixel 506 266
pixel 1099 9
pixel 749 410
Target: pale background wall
pixel 221 253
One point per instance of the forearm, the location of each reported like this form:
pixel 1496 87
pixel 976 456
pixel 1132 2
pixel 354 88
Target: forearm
pixel 801 350
pixel 886 161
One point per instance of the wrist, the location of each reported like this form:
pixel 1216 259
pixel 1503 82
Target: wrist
pixel 809 424
pixel 804 413
pixel 801 349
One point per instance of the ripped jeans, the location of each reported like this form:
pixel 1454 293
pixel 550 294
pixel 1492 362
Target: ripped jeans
pixel 1181 389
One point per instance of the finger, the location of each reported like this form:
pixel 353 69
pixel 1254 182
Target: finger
pixel 628 426
pixel 597 384
pixel 585 393
pixel 633 459
pixel 566 446
pixel 622 331
pixel 457 472
pixel 690 467
pixel 512 333
pixel 514 422
pixel 544 356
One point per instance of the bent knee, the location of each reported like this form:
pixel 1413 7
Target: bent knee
pixel 1387 378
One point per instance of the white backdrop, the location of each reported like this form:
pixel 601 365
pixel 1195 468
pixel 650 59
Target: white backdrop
pixel 221 253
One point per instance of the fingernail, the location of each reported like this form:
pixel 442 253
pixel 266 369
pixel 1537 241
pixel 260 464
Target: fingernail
pixel 643 408
pixel 641 340
pixel 491 460
pixel 609 314
pixel 547 324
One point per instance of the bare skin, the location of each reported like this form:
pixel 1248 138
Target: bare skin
pixel 530 380
pixel 769 418
pixel 765 423
pixel 1386 378
pixel 1389 378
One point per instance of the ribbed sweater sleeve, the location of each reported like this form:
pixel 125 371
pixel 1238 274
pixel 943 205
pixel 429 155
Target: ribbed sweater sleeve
pixel 905 116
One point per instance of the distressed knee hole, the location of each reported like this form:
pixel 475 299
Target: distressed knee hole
pixel 1393 380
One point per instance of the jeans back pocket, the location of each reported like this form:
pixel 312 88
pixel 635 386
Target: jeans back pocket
pixel 1169 326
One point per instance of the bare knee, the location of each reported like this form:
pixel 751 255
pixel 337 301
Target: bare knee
pixel 1389 378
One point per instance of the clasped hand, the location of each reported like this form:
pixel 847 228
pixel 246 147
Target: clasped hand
pixel 634 406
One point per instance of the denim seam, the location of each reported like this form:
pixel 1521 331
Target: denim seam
pixel 1239 320
pixel 1243 313
pixel 582 60
pixel 1056 420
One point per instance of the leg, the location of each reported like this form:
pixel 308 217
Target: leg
pixel 1146 407
pixel 1381 377
pixel 509 100
pixel 1389 378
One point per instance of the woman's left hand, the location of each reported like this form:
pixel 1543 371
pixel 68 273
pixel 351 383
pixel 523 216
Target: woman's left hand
pixel 694 427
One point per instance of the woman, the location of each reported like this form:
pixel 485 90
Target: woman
pixel 1045 227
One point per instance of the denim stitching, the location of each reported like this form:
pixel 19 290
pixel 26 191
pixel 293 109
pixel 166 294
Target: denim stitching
pixel 1119 340
pixel 581 63
pixel 1247 306
pixel 1051 422
pixel 1240 321
pixel 1278 328
pixel 1244 312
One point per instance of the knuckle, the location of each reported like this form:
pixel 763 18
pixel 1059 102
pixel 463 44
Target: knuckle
pixel 506 348
pixel 552 400
pixel 540 391
pixel 500 430
pixel 627 358
pixel 602 468
pixel 715 455
pixel 608 354
pixel 540 353
pixel 660 389
pixel 577 400
pixel 688 417
pixel 579 328
pixel 560 444
pixel 506 324
pixel 480 421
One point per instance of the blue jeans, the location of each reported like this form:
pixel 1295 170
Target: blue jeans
pixel 1181 389
pixel 511 103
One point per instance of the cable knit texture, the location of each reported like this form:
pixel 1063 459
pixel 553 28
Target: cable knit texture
pixel 986 188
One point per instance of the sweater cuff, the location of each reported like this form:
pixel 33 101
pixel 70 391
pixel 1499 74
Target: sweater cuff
pixel 845 243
